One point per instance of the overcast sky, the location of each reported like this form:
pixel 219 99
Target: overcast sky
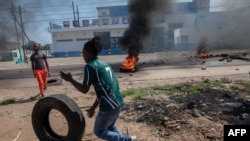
pixel 37 14
pixel 57 11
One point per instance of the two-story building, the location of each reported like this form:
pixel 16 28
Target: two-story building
pixel 182 27
pixel 68 39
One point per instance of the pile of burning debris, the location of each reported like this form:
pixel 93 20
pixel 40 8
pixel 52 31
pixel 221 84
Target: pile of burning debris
pixel 176 113
pixel 203 52
pixel 140 27
pixel 129 64
pixel 223 57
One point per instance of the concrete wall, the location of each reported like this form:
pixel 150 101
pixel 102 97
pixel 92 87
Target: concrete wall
pixel 69 44
pixel 181 21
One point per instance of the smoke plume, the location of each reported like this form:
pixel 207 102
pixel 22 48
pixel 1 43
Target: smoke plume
pixel 7 26
pixel 232 26
pixel 141 12
pixel 236 31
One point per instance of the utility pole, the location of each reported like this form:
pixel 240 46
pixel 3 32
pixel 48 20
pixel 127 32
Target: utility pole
pixel 22 27
pixel 15 19
pixel 77 12
pixel 73 6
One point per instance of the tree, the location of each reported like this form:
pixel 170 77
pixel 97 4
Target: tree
pixel 46 47
pixel 29 45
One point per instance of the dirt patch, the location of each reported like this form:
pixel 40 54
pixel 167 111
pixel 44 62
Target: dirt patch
pixel 199 116
pixel 180 117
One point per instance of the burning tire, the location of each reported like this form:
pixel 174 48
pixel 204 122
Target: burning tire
pixel 128 70
pixel 128 65
pixel 68 108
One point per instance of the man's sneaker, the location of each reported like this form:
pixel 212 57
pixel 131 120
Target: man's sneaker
pixel 133 138
pixel 39 97
pixel 45 89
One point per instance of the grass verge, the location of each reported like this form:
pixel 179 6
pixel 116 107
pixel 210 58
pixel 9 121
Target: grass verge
pixel 7 101
pixel 191 88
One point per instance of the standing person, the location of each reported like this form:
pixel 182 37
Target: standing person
pixel 26 59
pixel 40 68
pixel 108 96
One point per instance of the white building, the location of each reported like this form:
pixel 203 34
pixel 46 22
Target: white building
pixel 110 25
pixel 183 28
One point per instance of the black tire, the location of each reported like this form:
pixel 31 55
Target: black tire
pixel 69 109
pixel 54 81
pixel 128 71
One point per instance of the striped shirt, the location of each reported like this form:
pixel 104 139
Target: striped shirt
pixel 101 76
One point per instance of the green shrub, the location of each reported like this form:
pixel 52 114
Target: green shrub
pixel 7 101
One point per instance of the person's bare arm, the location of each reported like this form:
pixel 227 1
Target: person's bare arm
pixel 33 68
pixel 80 87
pixel 91 111
pixel 47 66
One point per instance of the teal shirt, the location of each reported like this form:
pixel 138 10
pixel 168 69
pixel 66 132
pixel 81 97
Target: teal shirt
pixel 99 74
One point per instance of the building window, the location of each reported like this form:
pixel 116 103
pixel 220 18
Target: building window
pixel 178 40
pixel 103 14
pixel 105 39
pixel 184 39
pixel 115 42
pixel 64 40
pixel 14 54
pixel 173 26
pixel 150 42
pixel 82 39
pixel 105 21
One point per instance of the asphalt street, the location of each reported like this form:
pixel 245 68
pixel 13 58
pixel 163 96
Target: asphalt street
pixel 150 66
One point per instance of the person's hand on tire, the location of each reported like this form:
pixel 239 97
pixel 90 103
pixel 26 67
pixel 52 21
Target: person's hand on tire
pixel 90 112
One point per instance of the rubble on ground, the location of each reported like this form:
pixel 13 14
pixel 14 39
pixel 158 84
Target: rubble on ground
pixel 203 113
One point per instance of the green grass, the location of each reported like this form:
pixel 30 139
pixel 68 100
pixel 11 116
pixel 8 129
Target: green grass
pixel 167 89
pixel 241 86
pixel 192 88
pixel 208 84
pixel 235 87
pixel 246 84
pixel 7 101
pixel 138 93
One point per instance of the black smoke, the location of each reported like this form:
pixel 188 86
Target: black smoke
pixel 140 26
pixel 236 31
pixel 7 26
pixel 7 29
pixel 231 26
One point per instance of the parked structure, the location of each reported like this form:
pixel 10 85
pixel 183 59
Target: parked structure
pixel 11 52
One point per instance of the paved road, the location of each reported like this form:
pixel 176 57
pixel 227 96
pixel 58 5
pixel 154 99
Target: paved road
pixel 150 66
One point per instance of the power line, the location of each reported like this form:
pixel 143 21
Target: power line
pixel 63 14
pixel 53 13
pixel 34 35
pixel 88 3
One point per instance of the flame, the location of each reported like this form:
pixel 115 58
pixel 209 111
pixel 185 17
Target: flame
pixel 203 55
pixel 129 63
